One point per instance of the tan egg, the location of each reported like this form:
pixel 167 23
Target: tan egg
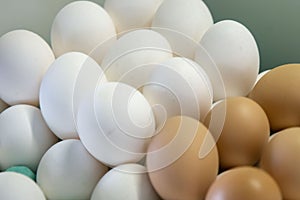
pixel 281 160
pixel 244 183
pixel 182 159
pixel 241 129
pixel 278 94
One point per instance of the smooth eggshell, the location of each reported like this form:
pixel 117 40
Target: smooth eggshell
pixel 281 160
pixel 183 23
pixel 68 80
pixel 247 183
pixel 244 134
pixel 115 124
pixel 277 93
pixel 131 14
pixel 133 57
pixel 128 181
pixel 233 49
pixel 24 137
pixel 82 26
pixel 179 86
pixel 68 171
pixel 24 59
pixel 182 159
pixel 15 186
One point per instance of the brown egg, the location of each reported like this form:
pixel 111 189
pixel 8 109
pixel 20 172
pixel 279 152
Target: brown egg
pixel 278 94
pixel 241 129
pixel 244 183
pixel 182 160
pixel 281 159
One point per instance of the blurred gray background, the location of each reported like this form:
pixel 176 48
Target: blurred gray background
pixel 274 23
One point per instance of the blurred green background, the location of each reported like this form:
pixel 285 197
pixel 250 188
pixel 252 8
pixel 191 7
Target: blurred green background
pixel 274 23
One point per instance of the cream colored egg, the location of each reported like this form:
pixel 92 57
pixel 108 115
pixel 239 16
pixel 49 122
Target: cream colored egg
pixel 82 26
pixel 179 86
pixel 131 14
pixel 24 59
pixel 129 181
pixel 68 80
pixel 14 186
pixel 133 57
pixel 183 23
pixel 3 105
pixel 24 137
pixel 233 49
pixel 68 171
pixel 115 124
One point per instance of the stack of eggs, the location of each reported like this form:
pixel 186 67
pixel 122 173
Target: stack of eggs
pixel 145 99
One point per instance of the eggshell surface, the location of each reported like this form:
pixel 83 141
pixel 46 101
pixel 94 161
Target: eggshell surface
pixel 128 181
pixel 24 59
pixel 277 93
pixel 68 171
pixel 134 56
pixel 281 160
pixel 115 124
pixel 15 186
pixel 246 183
pixel 235 54
pixel 24 137
pixel 82 26
pixel 183 23
pixel 244 134
pixel 68 80
pixel 178 168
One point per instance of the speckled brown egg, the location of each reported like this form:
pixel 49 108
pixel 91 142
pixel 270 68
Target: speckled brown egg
pixel 241 129
pixel 278 94
pixel 244 183
pixel 182 160
pixel 281 159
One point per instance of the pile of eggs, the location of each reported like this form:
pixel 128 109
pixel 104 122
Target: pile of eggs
pixel 149 100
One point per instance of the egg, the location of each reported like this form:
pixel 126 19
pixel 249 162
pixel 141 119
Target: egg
pixel 82 26
pixel 178 86
pixel 128 181
pixel 182 159
pixel 245 183
pixel 244 131
pixel 115 124
pixel 15 186
pixel 68 80
pixel 133 57
pixel 277 93
pixel 183 23
pixel 281 160
pixel 68 171
pixel 131 14
pixel 24 137
pixel 24 59
pixel 3 105
pixel 229 54
pixel 261 74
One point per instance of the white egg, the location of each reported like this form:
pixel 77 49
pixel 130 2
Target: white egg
pixel 24 137
pixel 131 14
pixel 115 124
pixel 3 105
pixel 24 59
pixel 68 80
pixel 68 171
pixel 179 86
pixel 129 181
pixel 15 186
pixel 82 26
pixel 133 57
pixel 183 23
pixel 232 48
